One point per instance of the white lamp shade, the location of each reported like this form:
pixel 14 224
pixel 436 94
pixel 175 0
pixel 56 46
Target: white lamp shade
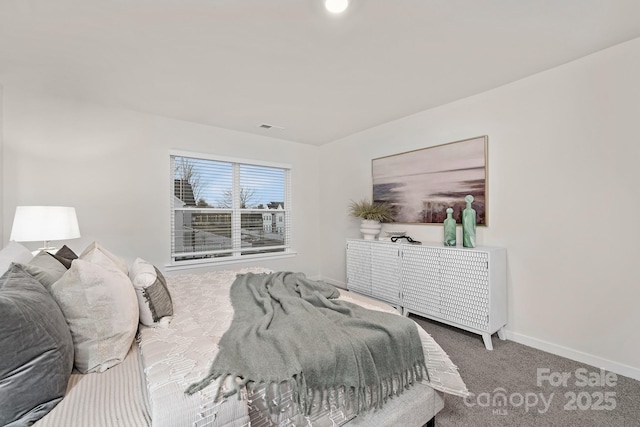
pixel 44 223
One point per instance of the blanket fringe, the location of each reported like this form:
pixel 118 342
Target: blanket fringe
pixel 363 398
pixel 196 387
pixel 360 399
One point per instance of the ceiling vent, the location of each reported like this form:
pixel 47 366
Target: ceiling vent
pixel 268 126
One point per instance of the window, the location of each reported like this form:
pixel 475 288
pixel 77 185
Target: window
pixel 226 209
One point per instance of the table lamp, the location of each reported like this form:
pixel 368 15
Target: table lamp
pixel 44 223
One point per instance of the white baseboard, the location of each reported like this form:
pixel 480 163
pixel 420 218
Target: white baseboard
pixel 569 353
pixel 578 356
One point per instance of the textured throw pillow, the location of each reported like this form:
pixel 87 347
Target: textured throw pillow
pixel 36 350
pixel 45 268
pixel 65 256
pixel 13 252
pixel 98 254
pixel 101 309
pixel 154 299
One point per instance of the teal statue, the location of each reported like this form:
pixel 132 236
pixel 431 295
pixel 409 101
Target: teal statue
pixel 469 224
pixel 449 229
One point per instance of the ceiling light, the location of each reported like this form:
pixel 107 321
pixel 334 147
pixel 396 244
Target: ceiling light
pixel 336 6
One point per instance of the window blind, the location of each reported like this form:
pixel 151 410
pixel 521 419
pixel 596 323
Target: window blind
pixel 224 209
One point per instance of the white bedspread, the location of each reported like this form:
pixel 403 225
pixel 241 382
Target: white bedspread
pixel 114 398
pixel 179 355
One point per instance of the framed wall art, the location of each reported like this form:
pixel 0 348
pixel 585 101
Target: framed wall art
pixel 421 184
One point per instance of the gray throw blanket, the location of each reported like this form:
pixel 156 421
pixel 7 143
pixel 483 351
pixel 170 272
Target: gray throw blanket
pixel 287 328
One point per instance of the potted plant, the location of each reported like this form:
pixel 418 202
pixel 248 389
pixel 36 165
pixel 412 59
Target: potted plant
pixel 371 214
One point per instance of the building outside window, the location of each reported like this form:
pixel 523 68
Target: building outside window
pixel 227 209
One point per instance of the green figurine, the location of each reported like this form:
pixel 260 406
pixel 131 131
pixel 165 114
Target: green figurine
pixel 469 224
pixel 449 229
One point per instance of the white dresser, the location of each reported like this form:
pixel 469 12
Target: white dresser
pixel 462 287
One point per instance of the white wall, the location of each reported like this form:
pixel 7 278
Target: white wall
pixel 563 195
pixel 113 166
pixel 1 170
pixel 563 149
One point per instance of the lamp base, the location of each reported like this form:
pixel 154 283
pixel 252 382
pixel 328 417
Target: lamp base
pixel 47 247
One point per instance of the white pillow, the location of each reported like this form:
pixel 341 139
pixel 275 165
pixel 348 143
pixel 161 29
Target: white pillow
pixel 154 299
pixel 100 308
pixel 98 254
pixel 13 252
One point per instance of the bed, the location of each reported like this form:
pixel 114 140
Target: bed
pixel 147 387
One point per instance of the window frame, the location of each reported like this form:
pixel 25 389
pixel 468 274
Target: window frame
pixel 236 252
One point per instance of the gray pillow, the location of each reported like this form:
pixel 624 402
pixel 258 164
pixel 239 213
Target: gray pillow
pixel 36 349
pixel 45 268
pixel 154 299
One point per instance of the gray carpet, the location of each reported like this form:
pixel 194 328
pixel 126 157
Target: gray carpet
pixel 579 400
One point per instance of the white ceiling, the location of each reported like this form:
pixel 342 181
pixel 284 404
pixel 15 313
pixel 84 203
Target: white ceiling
pixel 237 64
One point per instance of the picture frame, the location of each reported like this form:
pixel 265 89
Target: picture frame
pixel 421 184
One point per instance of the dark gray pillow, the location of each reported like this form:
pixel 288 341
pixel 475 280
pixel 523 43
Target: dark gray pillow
pixel 36 349
pixel 65 256
pixel 159 298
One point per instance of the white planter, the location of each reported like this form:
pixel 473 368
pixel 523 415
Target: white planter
pixel 370 229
